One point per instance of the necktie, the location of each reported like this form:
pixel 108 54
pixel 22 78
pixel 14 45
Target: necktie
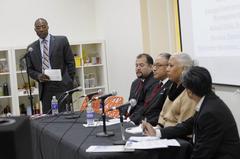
pixel 139 89
pixel 153 94
pixel 45 56
pixel 194 127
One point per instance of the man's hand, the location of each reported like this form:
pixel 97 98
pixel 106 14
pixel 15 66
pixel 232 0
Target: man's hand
pixel 148 129
pixel 43 78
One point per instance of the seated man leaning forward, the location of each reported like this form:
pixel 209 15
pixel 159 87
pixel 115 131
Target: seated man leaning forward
pixel 214 130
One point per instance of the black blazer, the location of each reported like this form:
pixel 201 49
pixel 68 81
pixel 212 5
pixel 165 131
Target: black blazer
pixel 215 130
pixel 152 106
pixel 138 92
pixel 61 57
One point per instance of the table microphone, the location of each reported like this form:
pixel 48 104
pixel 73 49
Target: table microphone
pixel 77 89
pixel 90 95
pixel 106 95
pixel 130 103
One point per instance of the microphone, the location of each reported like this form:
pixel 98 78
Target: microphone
pixel 106 95
pixel 30 49
pixel 130 103
pixel 90 95
pixel 129 109
pixel 22 63
pixel 77 89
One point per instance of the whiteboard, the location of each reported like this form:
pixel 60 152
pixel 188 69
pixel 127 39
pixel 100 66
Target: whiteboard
pixel 210 32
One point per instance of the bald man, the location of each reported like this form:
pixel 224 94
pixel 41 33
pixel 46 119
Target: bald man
pixel 50 52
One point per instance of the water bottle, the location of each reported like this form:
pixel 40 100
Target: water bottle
pixel 90 115
pixel 54 105
pixel 1 90
pixel 5 89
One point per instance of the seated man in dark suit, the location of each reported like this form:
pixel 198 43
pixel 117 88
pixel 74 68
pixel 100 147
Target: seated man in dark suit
pixel 156 95
pixel 142 85
pixel 214 130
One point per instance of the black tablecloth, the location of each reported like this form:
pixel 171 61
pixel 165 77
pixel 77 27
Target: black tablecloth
pixel 55 137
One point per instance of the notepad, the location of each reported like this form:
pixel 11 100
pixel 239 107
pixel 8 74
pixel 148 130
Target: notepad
pixel 54 74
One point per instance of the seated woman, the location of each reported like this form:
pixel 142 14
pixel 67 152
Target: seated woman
pixel 177 106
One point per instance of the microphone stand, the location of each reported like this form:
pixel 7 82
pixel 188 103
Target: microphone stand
pixel 69 115
pixel 105 133
pixel 123 141
pixel 30 97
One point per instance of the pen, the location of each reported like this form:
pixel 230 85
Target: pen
pixel 132 140
pixel 143 129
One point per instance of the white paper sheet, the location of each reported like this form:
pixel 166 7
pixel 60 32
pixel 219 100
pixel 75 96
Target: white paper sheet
pixel 100 123
pixel 172 142
pixel 136 129
pixel 143 138
pixel 112 148
pixel 54 74
pixel 149 142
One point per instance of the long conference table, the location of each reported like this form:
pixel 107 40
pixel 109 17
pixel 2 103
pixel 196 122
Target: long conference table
pixel 55 137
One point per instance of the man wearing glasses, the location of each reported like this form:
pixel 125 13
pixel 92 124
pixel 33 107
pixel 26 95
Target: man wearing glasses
pixel 155 94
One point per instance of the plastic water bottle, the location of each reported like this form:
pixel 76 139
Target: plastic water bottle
pixel 90 114
pixel 54 105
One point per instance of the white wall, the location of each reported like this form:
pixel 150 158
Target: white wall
pixel 116 21
pixel 231 96
pixel 119 22
pixel 73 18
pixel 161 26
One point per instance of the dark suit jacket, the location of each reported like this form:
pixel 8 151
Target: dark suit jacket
pixel 60 56
pixel 153 104
pixel 140 95
pixel 216 134
pixel 139 92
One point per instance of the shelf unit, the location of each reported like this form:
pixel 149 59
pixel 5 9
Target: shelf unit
pixel 20 86
pixel 91 75
pixel 91 68
pixel 6 79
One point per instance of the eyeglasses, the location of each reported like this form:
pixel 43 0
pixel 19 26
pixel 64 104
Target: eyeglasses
pixel 157 66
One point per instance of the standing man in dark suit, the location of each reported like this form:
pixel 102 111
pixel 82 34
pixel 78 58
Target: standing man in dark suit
pixel 50 52
pixel 155 98
pixel 214 130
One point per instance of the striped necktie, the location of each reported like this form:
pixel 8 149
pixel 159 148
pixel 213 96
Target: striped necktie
pixel 45 56
pixel 139 88
pixel 194 127
pixel 154 93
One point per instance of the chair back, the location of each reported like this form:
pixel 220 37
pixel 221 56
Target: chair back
pixel 95 105
pixel 113 101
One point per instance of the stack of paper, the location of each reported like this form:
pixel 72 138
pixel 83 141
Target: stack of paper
pixel 136 129
pixel 113 148
pixel 99 123
pixel 147 142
